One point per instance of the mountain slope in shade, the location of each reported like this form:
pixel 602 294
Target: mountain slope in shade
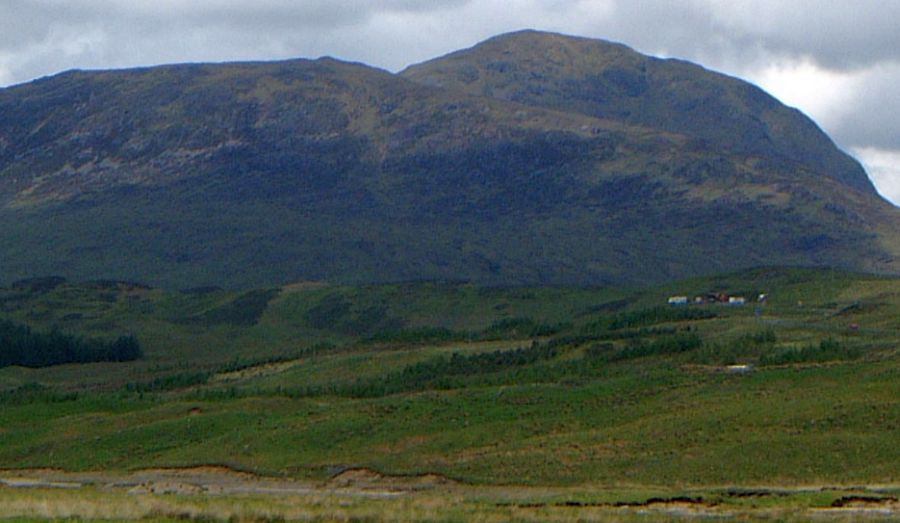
pixel 524 160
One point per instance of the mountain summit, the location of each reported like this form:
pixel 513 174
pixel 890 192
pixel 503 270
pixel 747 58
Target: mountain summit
pixel 531 158
pixel 608 80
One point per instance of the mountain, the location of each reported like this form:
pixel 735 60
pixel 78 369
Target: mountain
pixel 532 158
pixel 606 80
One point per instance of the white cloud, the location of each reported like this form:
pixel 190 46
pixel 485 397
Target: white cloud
pixel 858 108
pixel 827 96
pixel 883 167
pixel 805 85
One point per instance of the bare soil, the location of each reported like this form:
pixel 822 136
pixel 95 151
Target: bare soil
pixel 214 479
pixel 858 503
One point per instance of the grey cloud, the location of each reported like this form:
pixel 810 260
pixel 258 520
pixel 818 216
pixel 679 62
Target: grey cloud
pixel 835 34
pixel 838 35
pixel 26 22
pixel 268 14
pixel 38 37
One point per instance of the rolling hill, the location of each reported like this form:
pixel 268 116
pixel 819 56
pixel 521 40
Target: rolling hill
pixel 532 158
pixel 602 389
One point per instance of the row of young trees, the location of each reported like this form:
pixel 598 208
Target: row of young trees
pixel 20 345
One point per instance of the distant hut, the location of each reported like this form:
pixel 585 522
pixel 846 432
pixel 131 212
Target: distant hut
pixel 678 300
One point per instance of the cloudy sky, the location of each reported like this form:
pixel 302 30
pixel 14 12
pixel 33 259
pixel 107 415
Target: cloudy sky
pixel 837 60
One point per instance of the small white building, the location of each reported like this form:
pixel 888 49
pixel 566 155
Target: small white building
pixel 678 300
pixel 736 300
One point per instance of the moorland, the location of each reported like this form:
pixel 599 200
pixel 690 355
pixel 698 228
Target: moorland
pixel 457 402
pixel 546 278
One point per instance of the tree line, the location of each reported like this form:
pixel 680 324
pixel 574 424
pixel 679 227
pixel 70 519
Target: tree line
pixel 20 345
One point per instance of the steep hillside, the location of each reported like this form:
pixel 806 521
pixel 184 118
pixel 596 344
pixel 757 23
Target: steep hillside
pixel 549 169
pixel 609 80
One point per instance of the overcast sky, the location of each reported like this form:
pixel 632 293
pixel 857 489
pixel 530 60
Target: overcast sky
pixel 837 60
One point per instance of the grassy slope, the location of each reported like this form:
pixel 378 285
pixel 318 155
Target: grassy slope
pixel 573 419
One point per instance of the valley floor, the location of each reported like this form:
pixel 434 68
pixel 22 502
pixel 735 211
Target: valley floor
pixel 207 494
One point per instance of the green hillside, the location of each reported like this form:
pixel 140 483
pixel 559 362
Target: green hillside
pixel 556 161
pixel 539 386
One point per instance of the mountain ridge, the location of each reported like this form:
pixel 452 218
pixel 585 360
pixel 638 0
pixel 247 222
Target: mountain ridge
pixel 255 173
pixel 625 75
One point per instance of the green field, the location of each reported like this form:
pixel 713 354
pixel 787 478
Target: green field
pixel 547 400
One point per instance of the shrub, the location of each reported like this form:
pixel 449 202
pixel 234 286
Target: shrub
pixel 171 382
pixel 827 350
pixel 520 328
pixel 666 345
pixel 448 372
pixel 417 335
pixel 33 393
pixel 649 317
